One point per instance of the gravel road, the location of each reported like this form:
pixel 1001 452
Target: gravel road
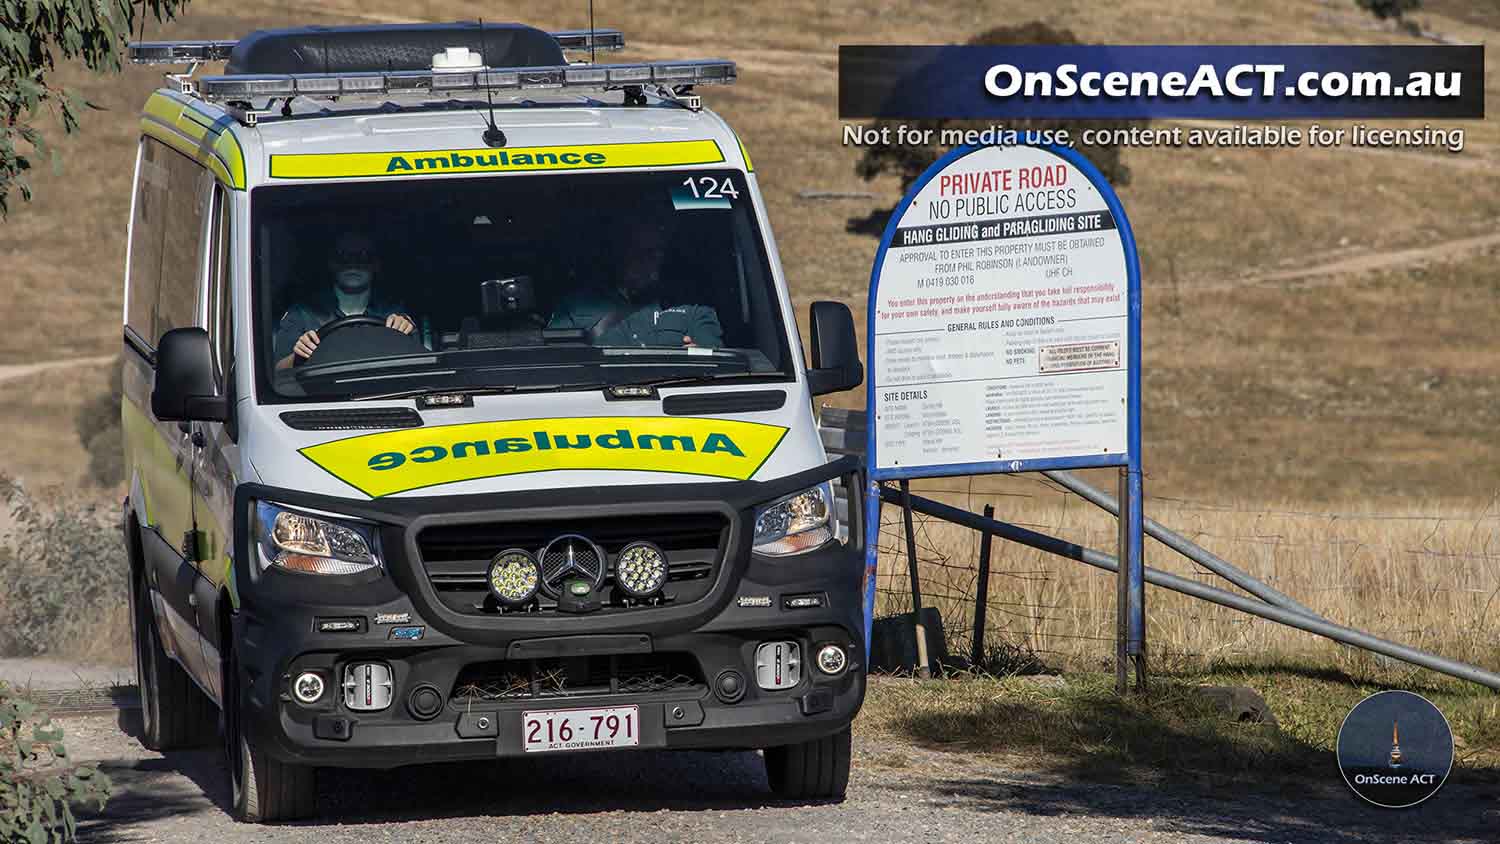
pixel 898 793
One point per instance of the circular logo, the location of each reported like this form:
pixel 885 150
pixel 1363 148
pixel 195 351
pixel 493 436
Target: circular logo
pixel 571 556
pixel 1395 749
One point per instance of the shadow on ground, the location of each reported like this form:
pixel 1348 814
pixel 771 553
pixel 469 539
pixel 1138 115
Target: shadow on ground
pixel 1170 757
pixel 194 782
pixel 1083 731
pixel 1457 813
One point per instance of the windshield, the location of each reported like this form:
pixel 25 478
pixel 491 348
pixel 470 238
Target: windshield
pixel 517 283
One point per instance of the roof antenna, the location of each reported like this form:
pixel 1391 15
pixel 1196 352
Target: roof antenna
pixel 591 33
pixel 492 136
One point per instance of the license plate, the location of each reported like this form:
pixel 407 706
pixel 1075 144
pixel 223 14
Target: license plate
pixel 580 729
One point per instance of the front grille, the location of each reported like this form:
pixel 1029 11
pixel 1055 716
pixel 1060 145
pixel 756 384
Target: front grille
pixel 529 679
pixel 456 557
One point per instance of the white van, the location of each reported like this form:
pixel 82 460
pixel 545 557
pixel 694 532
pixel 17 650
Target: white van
pixel 465 416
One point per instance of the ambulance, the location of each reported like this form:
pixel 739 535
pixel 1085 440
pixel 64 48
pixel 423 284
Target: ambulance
pixel 466 417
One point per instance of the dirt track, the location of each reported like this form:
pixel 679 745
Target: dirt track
pixel 1360 263
pixel 898 793
pixel 13 371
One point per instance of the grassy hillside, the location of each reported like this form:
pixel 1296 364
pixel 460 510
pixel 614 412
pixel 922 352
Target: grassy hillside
pixel 1264 381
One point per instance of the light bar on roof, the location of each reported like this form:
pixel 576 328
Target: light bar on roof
pixel 187 52
pixel 595 76
pixel 578 39
pixel 179 52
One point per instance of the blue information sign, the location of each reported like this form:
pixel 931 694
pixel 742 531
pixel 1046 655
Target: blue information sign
pixel 1004 331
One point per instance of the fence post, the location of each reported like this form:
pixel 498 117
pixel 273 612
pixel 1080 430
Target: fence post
pixel 923 669
pixel 982 596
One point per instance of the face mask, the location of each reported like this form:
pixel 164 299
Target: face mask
pixel 353 280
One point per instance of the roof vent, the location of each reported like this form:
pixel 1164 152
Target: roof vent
pixel 457 58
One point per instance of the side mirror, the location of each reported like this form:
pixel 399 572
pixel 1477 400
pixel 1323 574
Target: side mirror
pixel 185 390
pixel 835 350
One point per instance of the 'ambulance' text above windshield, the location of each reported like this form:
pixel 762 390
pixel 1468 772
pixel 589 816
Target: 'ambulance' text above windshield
pixel 429 162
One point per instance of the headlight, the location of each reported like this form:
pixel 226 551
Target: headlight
pixel 296 540
pixel 796 523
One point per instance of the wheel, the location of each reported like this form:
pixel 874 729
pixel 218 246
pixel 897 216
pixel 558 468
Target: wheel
pixel 175 714
pixel 812 770
pixel 263 790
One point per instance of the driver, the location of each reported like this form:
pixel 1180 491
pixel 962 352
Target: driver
pixel 631 311
pixel 353 263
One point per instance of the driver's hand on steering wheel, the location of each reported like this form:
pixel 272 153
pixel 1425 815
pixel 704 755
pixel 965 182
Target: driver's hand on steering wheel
pixel 306 344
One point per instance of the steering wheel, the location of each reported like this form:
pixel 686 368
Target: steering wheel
pixel 334 325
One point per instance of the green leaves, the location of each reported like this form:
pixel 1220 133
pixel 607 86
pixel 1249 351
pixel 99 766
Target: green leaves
pixel 38 789
pixel 34 34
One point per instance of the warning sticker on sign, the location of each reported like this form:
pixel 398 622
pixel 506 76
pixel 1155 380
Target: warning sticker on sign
pixel 1079 357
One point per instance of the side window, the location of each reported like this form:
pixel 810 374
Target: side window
pixel 182 256
pixel 219 300
pixel 147 225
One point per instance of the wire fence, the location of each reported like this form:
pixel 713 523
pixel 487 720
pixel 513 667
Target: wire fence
pixel 1430 580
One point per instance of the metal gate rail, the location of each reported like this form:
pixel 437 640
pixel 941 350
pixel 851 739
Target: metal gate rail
pixel 844 432
pixel 1156 577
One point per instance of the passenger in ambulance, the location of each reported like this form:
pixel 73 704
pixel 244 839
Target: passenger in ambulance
pixel 637 307
pixel 353 267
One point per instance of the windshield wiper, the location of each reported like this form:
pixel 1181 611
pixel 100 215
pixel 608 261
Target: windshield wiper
pixel 705 378
pixel 672 381
pixel 468 391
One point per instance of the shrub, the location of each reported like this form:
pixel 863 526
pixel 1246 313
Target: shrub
pixel 38 788
pixel 98 427
pixel 1389 8
pixel 910 160
pixel 65 573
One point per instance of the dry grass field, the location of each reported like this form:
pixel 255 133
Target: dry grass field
pixel 1319 332
pixel 1427 577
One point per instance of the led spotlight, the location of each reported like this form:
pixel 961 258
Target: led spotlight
pixel 831 659
pixel 309 687
pixel 514 577
pixel 641 569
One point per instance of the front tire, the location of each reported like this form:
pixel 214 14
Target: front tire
pixel 812 770
pixel 175 714
pixel 264 790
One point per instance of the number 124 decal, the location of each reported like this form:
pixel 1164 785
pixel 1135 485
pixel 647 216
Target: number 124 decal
pixel 711 187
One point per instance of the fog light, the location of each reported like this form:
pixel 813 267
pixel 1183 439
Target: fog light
pixel 832 659
pixel 308 688
pixel 640 570
pixel 514 577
